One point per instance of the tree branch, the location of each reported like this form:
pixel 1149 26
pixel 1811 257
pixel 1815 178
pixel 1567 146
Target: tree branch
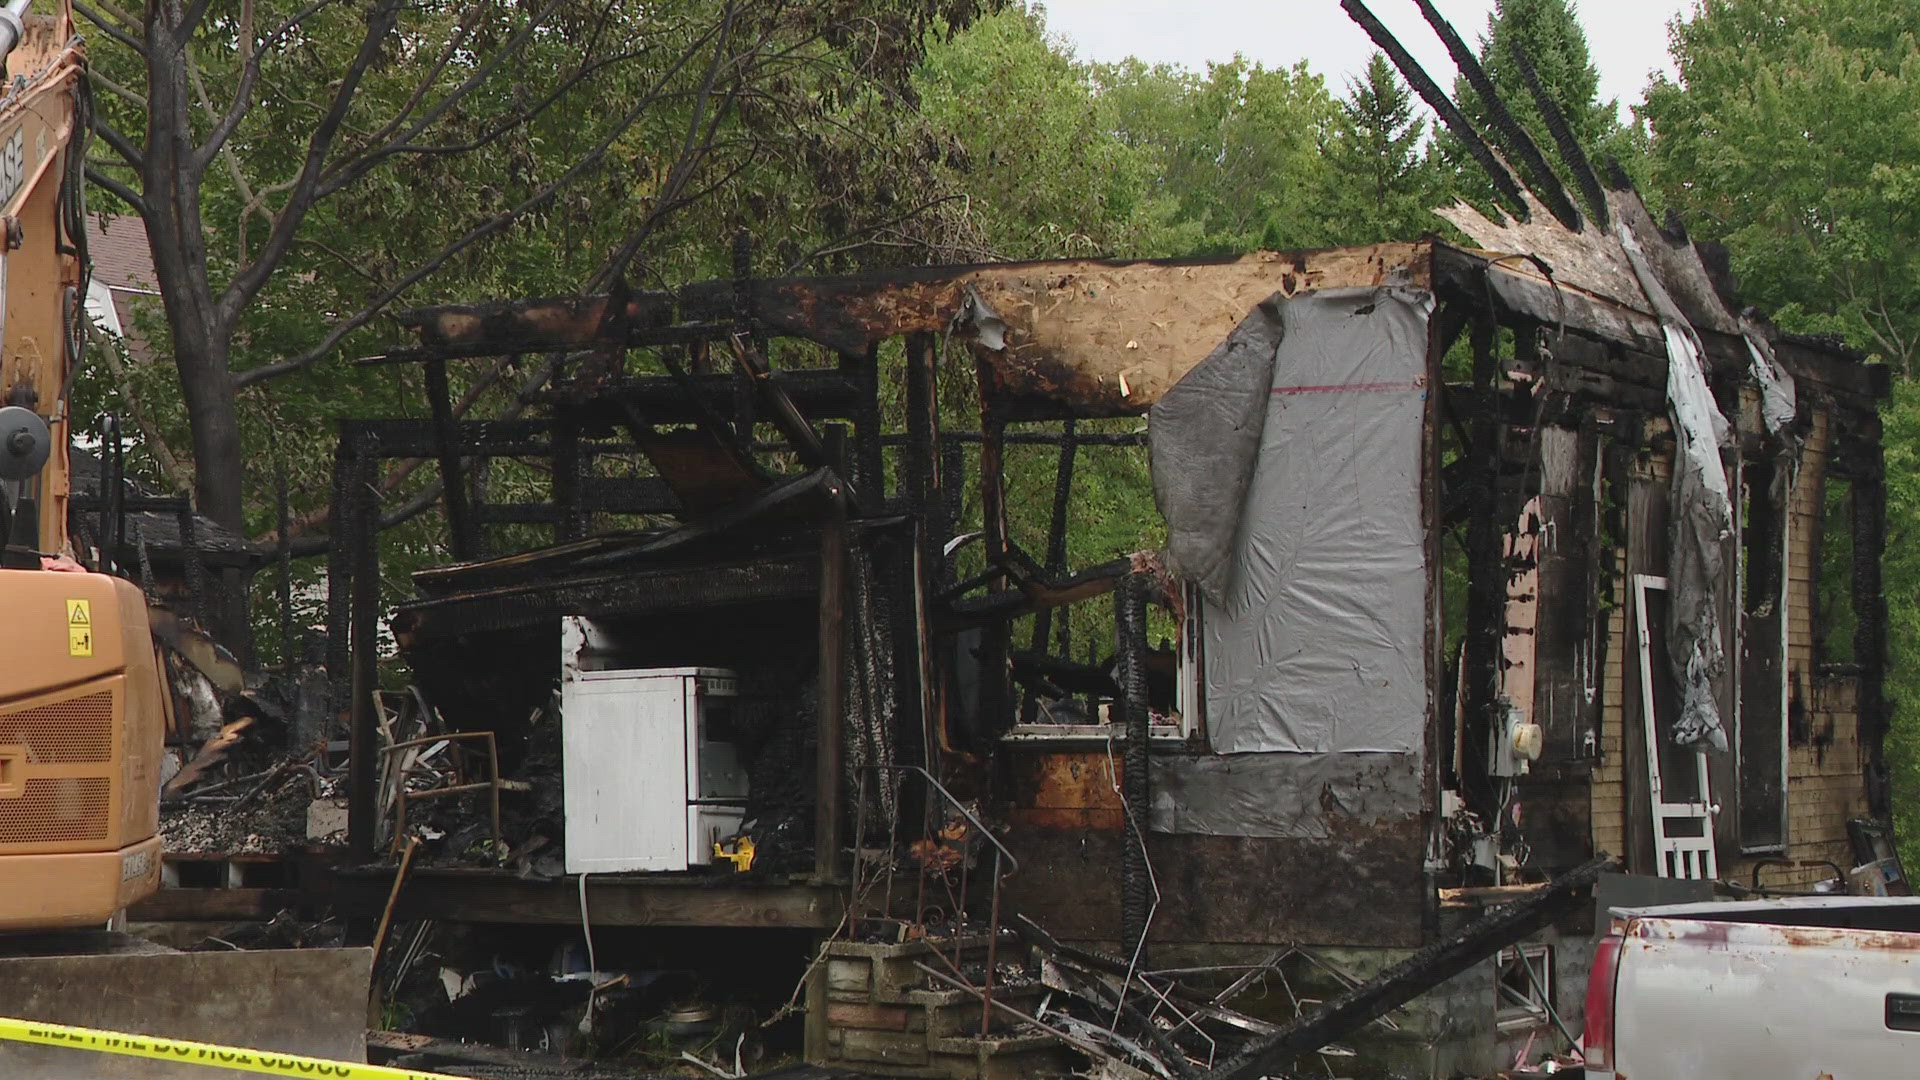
pixel 150 434
pixel 118 190
pixel 109 29
pixel 242 94
pixel 486 228
pixel 138 101
pixel 354 169
pixel 683 165
pixel 119 143
pixel 190 21
pixel 367 163
pixel 253 276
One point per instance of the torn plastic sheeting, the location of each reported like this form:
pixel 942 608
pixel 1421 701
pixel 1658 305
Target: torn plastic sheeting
pixel 1317 643
pixel 1204 434
pixel 1699 519
pixel 1778 405
pixel 1281 796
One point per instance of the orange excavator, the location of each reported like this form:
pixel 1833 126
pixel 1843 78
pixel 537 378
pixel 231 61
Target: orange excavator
pixel 83 698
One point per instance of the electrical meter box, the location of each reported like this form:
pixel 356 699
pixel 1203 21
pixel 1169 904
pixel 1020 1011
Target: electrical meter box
pixel 651 774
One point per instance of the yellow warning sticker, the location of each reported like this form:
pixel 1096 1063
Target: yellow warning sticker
pixel 235 1058
pixel 79 628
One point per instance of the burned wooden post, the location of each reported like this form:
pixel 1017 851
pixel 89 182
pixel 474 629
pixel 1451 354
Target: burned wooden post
pixel 361 536
pixel 1056 558
pixel 1486 577
pixel 460 524
pixel 832 680
pixel 340 573
pixel 570 518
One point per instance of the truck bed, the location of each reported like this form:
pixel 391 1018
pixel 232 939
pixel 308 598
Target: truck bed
pixel 1802 988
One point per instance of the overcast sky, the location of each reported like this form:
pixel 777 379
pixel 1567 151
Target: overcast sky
pixel 1628 37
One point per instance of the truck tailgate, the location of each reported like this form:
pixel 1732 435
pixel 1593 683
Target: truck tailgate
pixel 1699 997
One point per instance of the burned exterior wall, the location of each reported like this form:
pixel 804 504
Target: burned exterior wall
pixel 1291 466
pixel 1811 712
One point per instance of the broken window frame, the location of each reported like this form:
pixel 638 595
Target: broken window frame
pixel 1519 1010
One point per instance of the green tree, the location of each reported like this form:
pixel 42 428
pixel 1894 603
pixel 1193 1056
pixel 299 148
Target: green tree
pixel 1033 148
pixel 485 147
pixel 1383 185
pixel 1793 133
pixel 1548 34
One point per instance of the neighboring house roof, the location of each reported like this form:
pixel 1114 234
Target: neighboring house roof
pixel 121 257
pixel 123 278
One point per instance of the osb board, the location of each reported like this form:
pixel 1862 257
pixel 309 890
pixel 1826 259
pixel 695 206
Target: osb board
pixel 1112 338
pixel 1591 260
pixel 1594 261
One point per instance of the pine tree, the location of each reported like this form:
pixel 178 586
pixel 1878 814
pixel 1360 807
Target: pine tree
pixel 1550 34
pixel 1384 182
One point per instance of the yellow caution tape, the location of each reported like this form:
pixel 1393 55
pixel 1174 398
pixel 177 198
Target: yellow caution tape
pixel 199 1053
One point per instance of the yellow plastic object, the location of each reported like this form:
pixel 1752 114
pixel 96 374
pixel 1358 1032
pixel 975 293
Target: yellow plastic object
pixel 741 856
pixel 239 1059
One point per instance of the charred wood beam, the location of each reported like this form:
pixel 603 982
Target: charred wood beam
pixel 1539 173
pixel 1571 151
pixel 453 487
pixel 546 325
pixel 627 495
pixel 821 393
pixel 403 438
pixel 1424 970
pixel 667 591
pixel 1486 576
pixel 1437 100
pixel 786 415
pixel 1008 604
pixel 831 698
pixel 1038 438
pixel 362 540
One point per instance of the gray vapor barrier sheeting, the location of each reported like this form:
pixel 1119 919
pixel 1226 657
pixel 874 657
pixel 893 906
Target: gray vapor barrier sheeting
pixel 1699 517
pixel 1284 796
pixel 1205 433
pixel 1315 627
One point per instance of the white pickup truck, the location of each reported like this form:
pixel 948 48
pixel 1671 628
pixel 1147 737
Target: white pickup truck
pixel 1823 988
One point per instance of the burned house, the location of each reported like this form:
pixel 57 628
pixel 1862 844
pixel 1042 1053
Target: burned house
pixel 1479 563
pixel 1470 572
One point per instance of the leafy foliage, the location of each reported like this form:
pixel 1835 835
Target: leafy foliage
pixel 1791 134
